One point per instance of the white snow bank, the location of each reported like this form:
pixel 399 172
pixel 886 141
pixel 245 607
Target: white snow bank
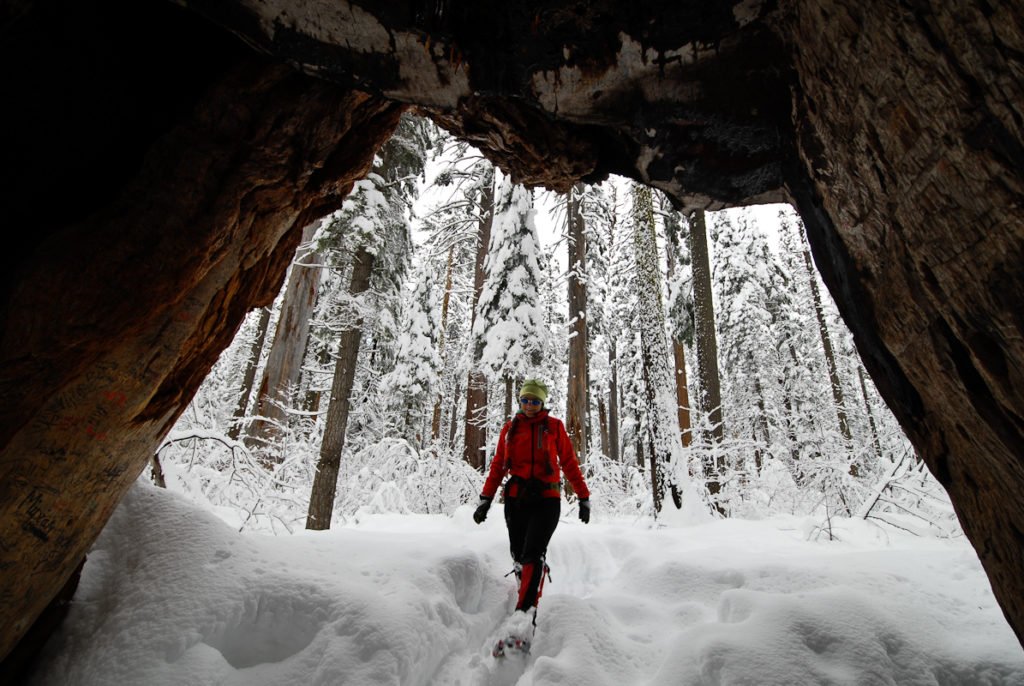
pixel 171 595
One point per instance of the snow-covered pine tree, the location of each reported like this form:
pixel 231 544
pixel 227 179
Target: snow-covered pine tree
pixel 375 218
pixel 625 388
pixel 408 390
pixel 745 281
pixel 821 452
pixel 458 231
pixel 599 219
pixel 509 326
pixel 664 446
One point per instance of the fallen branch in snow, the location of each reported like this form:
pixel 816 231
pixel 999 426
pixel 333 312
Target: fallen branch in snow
pixel 906 487
pixel 201 435
pixel 879 489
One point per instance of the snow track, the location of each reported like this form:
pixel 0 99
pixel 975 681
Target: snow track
pixel 172 595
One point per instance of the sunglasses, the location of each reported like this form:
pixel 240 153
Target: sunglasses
pixel 531 401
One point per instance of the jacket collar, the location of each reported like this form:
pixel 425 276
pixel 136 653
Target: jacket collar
pixel 521 416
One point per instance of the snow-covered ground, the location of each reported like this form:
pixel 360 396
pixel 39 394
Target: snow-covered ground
pixel 173 595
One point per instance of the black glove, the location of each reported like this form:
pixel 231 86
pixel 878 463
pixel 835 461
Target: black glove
pixel 585 510
pixel 481 509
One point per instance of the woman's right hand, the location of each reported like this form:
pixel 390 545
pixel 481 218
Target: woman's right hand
pixel 481 510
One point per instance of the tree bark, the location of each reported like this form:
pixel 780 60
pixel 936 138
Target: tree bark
pixel 325 484
pixel 707 347
pixel 659 386
pixel 435 422
pixel 476 387
pixel 284 363
pixel 250 374
pixel 910 189
pixel 602 415
pixel 180 211
pixel 871 417
pixel 679 358
pixel 761 423
pixel 508 399
pixel 576 396
pixel 614 447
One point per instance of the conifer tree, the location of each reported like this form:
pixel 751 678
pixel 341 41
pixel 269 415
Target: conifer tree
pixel 599 219
pixel 679 276
pixel 409 388
pixel 376 227
pixel 279 385
pixel 476 384
pixel 509 325
pixel 707 354
pixel 577 396
pixel 663 446
pixel 746 281
pixel 249 378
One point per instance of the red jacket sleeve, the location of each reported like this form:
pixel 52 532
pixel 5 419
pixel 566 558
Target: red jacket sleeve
pixel 499 467
pixel 567 459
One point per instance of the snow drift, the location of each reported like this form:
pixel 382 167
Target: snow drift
pixel 172 595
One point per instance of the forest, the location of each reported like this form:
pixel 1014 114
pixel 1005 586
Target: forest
pixel 697 361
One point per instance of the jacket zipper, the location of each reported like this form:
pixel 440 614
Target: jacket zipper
pixel 532 451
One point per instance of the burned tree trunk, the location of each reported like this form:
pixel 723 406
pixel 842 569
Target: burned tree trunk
pixel 189 200
pixel 895 128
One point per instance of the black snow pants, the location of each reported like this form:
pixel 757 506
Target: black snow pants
pixel 531 521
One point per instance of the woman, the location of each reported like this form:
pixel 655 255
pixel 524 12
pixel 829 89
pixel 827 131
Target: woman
pixel 531 448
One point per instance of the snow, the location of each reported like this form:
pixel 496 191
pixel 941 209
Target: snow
pixel 172 595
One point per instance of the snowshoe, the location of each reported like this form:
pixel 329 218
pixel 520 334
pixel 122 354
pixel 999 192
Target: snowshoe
pixel 516 634
pixel 511 645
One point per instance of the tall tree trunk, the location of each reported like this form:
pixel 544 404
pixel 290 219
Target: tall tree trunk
pixel 435 423
pixel 664 441
pixel 657 479
pixel 602 414
pixel 312 402
pixel 576 396
pixel 508 398
pixel 871 417
pixel 762 418
pixel 284 363
pixel 707 348
pixel 325 484
pixel 476 420
pixel 453 424
pixel 830 358
pixel 614 445
pixel 679 358
pixel 614 451
pixel 476 388
pixel 682 392
pixel 794 449
pixel 250 374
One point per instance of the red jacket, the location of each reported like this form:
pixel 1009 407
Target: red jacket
pixel 535 450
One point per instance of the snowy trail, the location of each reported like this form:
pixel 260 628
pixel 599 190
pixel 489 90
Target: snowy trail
pixel 173 595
